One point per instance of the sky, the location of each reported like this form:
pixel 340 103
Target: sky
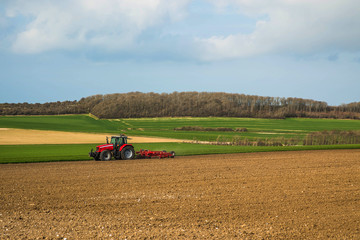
pixel 54 50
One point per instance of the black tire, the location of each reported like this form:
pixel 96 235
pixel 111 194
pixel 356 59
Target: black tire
pixel 105 155
pixel 127 153
pixel 172 154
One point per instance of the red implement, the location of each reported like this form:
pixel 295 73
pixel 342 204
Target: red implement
pixel 159 154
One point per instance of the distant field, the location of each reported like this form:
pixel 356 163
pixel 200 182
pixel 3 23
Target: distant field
pixel 69 123
pixel 257 128
pixel 164 127
pixel 14 136
pixel 79 152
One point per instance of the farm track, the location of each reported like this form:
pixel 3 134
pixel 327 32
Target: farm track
pixel 278 195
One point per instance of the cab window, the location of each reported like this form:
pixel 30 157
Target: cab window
pixel 113 140
pixel 117 140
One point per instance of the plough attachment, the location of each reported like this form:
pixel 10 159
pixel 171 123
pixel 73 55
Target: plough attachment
pixel 149 154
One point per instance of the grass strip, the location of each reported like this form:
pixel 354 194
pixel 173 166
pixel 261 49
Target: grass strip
pixel 79 152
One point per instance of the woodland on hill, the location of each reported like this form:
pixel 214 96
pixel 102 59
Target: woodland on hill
pixel 179 104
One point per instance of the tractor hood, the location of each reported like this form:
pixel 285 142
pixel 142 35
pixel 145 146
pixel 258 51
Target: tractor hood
pixel 103 147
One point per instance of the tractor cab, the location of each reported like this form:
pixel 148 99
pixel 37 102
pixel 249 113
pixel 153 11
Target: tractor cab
pixel 118 140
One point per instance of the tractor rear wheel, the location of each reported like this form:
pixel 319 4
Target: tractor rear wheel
pixel 105 155
pixel 127 153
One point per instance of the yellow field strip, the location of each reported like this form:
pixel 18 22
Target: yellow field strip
pixel 12 136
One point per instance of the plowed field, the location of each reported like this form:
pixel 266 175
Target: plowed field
pixel 290 195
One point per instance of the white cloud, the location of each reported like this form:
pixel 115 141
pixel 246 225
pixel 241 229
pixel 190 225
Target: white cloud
pixel 291 26
pixel 69 24
pixel 283 26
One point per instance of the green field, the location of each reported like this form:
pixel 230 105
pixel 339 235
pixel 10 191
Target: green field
pixel 68 123
pixel 163 127
pixel 79 152
pixel 257 128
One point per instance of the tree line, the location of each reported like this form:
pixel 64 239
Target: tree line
pixel 180 104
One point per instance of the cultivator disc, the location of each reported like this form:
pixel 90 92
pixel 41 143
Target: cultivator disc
pixel 160 154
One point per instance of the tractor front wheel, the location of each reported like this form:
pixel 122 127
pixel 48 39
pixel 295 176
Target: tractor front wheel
pixel 105 155
pixel 127 153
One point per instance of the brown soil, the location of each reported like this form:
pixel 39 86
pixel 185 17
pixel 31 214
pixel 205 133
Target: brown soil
pixel 281 195
pixel 11 136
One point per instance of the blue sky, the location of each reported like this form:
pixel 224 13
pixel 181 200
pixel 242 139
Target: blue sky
pixel 66 50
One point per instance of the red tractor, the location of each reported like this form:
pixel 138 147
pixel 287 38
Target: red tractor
pixel 117 148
